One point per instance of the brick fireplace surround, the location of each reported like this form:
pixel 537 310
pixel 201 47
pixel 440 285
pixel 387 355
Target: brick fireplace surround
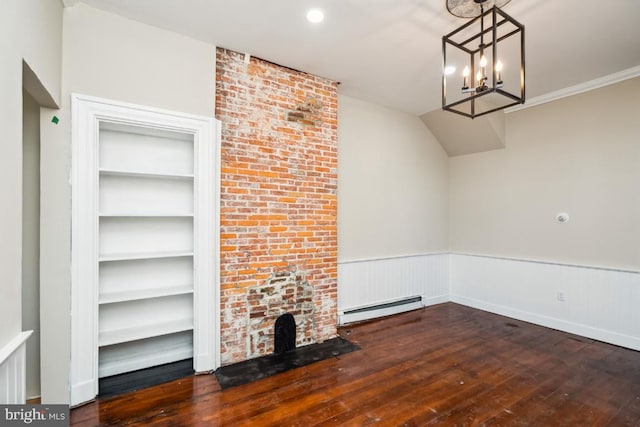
pixel 278 250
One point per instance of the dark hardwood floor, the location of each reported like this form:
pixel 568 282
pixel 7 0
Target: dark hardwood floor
pixel 443 365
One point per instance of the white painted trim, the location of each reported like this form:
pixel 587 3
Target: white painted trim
pixel 87 112
pixel 206 244
pixel 534 261
pixel 133 364
pixel 13 374
pixel 13 345
pixel 83 373
pixel 435 300
pixel 577 89
pixel 217 162
pixel 354 261
pixel 599 306
pixel 552 322
pixel 537 261
pixel 596 303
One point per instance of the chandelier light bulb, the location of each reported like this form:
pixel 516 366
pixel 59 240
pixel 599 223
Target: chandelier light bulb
pixel 483 69
pixel 465 80
pixel 499 71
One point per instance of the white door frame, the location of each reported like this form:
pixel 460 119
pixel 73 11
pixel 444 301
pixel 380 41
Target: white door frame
pixel 87 113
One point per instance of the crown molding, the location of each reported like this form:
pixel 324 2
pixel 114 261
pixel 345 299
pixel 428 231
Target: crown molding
pixel 579 88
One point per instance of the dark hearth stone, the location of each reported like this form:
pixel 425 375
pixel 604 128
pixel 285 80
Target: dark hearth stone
pixel 266 366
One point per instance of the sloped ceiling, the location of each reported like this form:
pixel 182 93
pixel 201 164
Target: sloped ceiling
pixel 459 135
pixel 389 51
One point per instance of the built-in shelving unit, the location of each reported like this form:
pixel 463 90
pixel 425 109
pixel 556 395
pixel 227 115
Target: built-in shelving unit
pixel 144 240
pixel 145 247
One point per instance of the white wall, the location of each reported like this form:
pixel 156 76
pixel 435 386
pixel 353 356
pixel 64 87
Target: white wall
pixel 115 58
pixel 30 31
pixel 39 23
pixel 393 210
pixel 392 184
pixel 112 57
pixel 578 155
pixel 510 256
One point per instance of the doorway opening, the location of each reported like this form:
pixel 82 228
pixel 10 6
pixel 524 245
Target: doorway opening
pixel 31 240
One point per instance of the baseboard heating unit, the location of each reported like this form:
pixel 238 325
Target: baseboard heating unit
pixel 382 309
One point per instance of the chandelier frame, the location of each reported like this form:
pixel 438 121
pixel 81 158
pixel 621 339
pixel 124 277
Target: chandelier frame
pixel 498 18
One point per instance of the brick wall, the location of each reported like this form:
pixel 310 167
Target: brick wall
pixel 278 192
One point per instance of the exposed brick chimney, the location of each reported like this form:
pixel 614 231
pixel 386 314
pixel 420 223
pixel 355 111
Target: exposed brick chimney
pixel 278 196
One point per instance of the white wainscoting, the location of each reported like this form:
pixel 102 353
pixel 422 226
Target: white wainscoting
pixel 13 374
pixel 374 282
pixel 599 303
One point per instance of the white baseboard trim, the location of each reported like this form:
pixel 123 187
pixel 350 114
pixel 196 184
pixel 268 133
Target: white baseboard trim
pixel 143 361
pixel 550 322
pixel 204 362
pixel 83 392
pixel 436 300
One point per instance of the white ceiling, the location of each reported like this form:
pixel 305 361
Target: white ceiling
pixel 389 51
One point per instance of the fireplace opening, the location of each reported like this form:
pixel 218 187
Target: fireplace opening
pixel 283 292
pixel 285 333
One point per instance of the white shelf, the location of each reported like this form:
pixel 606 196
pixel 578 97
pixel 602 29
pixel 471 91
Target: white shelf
pixel 140 354
pixel 153 237
pixel 145 193
pixel 140 274
pixel 141 174
pixel 118 336
pixel 143 255
pixel 132 295
pixel 143 151
pixel 145 215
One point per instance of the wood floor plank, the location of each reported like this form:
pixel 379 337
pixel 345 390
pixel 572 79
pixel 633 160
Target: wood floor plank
pixel 442 365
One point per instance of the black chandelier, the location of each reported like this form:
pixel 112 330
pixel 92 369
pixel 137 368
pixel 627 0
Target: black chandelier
pixel 483 60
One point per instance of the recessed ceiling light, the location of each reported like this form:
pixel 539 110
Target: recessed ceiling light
pixel 315 16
